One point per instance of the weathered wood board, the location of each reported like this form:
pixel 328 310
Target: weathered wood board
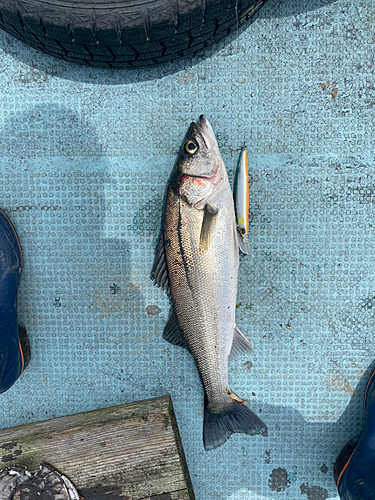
pixel 127 452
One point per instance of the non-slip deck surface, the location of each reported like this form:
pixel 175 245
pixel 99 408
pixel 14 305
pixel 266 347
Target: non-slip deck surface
pixel 84 159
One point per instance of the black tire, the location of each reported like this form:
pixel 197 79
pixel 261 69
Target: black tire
pixel 123 33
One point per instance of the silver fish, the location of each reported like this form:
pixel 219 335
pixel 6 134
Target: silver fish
pixel 196 262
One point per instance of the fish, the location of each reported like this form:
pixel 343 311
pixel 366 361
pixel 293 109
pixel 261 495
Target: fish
pixel 196 263
pixel 241 198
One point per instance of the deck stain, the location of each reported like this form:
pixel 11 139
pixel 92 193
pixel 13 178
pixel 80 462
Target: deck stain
pixel 314 492
pixel 278 480
pixel 103 493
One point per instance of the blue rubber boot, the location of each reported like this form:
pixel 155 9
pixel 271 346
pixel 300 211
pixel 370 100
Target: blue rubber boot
pixel 14 344
pixel 355 468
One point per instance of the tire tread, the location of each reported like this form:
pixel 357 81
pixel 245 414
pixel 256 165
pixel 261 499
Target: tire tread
pixel 136 36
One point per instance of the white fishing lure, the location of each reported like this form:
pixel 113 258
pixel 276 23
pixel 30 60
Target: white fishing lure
pixel 241 195
pixel 241 199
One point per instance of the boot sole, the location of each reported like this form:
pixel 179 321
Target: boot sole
pixel 23 338
pixel 349 448
pixel 17 239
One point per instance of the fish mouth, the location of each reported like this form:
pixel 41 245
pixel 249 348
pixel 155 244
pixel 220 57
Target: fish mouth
pixel 205 168
pixel 204 129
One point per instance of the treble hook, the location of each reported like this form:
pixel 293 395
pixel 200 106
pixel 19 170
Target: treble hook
pixel 234 150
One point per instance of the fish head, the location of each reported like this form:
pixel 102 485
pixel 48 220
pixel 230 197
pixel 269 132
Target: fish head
pixel 199 170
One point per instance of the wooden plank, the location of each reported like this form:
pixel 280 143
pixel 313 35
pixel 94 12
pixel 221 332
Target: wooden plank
pixel 127 452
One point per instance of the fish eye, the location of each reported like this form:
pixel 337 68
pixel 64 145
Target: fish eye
pixel 191 147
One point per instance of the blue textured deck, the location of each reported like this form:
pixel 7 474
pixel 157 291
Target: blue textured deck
pixel 85 155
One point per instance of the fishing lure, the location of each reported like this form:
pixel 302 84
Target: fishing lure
pixel 241 198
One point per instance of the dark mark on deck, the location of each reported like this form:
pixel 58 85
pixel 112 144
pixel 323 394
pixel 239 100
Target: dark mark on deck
pixel 153 310
pixel 114 289
pixel 165 420
pixel 103 493
pixel 278 480
pixel 11 456
pixel 314 492
pixel 9 446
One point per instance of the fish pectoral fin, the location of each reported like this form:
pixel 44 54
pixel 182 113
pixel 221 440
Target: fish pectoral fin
pixel 159 271
pixel 243 243
pixel 208 226
pixel 236 398
pixel 172 332
pixel 240 344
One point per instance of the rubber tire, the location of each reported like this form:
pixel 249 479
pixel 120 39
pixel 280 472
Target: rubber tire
pixel 123 33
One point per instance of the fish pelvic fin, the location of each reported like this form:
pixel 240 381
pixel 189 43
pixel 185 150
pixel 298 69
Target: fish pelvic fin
pixel 172 332
pixel 236 417
pixel 240 343
pixel 159 271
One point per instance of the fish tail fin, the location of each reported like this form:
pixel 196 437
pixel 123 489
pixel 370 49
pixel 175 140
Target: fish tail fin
pixel 218 427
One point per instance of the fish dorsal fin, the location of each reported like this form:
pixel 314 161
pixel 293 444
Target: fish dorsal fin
pixel 172 332
pixel 208 226
pixel 240 344
pixel 159 271
pixel 243 244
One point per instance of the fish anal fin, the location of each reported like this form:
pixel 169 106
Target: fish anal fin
pixel 235 397
pixel 172 332
pixel 159 271
pixel 208 226
pixel 240 344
